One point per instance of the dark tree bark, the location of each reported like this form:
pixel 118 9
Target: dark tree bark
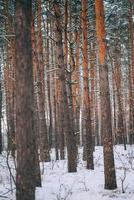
pixel 86 99
pixel 36 110
pixel 68 124
pixel 1 146
pixel 25 137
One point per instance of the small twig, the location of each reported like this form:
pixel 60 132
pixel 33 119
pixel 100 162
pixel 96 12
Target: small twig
pixel 11 190
pixel 123 180
pixel 11 175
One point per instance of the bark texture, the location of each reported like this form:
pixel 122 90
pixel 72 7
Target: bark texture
pixel 109 167
pixel 25 178
pixel 86 98
pixel 68 124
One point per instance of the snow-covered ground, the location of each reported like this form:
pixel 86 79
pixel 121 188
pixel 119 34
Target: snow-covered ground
pixel 58 184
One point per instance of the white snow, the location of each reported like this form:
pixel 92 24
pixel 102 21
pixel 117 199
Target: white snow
pixel 58 184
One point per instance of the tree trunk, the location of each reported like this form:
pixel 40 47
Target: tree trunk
pixel 44 143
pixel 25 137
pixel 109 167
pixel 131 73
pixel 121 138
pixel 86 98
pixel 1 145
pixel 9 73
pixel 36 110
pixel 49 82
pixel 68 125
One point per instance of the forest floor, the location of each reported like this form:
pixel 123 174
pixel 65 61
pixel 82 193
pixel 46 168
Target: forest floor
pixel 58 184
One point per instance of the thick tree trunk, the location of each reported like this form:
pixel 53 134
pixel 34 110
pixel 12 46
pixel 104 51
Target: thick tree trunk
pixel 109 167
pixel 25 137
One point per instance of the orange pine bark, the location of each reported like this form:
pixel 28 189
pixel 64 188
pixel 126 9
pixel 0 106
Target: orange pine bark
pixel 106 129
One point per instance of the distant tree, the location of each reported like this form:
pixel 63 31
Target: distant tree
pixel 36 110
pixel 120 131
pixel 9 79
pixel 68 123
pixel 43 133
pixel 131 72
pixel 86 98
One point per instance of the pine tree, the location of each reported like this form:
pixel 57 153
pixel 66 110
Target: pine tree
pixel 68 124
pixel 86 98
pixel 109 168
pixel 25 137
